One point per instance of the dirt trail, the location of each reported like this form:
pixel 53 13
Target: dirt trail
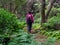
pixel 42 38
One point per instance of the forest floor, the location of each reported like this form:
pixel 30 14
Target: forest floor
pixel 41 38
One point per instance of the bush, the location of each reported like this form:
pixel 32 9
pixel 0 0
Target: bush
pixel 38 20
pixel 51 34
pixel 50 41
pixel 36 26
pixel 54 12
pixel 8 23
pixel 23 38
pixel 53 22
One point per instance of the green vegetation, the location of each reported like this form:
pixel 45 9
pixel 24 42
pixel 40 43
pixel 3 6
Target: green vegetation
pixel 13 27
pixel 53 22
pixel 9 23
pixel 51 34
pixel 22 39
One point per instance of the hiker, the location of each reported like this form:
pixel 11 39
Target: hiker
pixel 29 21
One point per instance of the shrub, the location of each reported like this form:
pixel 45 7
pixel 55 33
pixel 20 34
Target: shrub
pixel 23 39
pixel 54 12
pixel 36 26
pixel 50 41
pixel 38 20
pixel 53 22
pixel 8 23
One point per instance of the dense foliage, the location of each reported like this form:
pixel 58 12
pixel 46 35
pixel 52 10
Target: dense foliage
pixel 53 22
pixel 51 34
pixel 9 23
pixel 22 38
pixel 13 31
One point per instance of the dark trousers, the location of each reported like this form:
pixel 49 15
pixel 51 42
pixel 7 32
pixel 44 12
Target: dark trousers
pixel 29 27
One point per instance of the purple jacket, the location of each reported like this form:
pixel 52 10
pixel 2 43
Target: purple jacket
pixel 31 16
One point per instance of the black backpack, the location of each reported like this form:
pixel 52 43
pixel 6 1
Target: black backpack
pixel 29 20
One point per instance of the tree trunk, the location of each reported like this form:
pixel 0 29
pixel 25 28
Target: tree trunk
pixel 11 6
pixel 43 11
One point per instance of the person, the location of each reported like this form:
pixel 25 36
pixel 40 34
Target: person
pixel 29 21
